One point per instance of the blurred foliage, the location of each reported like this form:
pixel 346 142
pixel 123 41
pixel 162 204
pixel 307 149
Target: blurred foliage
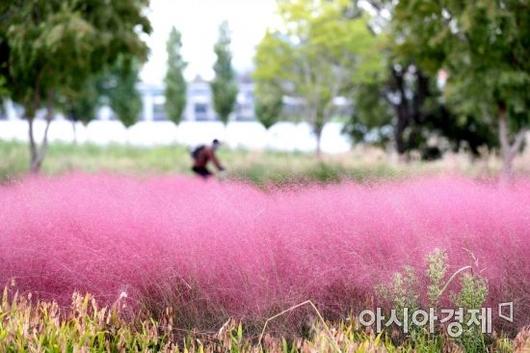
pixel 261 168
pixel 406 106
pixel 115 87
pixel 51 48
pixel 317 54
pixel 119 89
pixel 408 109
pixel 82 103
pixel 175 90
pixel 268 103
pixel 482 47
pixel 482 44
pixel 258 167
pixel 224 86
pixel 371 117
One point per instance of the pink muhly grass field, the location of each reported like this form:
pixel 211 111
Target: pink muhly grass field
pixel 230 249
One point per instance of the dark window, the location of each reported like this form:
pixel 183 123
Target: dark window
pixel 201 111
pixel 159 112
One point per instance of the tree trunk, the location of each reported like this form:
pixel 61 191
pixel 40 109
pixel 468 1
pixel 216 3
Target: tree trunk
pixel 317 128
pixel 402 111
pixel 74 131
pixel 318 133
pixel 508 150
pixel 37 153
pixel 33 154
pixel 399 129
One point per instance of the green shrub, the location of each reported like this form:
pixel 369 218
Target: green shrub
pixel 403 292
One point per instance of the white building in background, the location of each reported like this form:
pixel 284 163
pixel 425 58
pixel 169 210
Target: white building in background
pixel 199 106
pixel 199 124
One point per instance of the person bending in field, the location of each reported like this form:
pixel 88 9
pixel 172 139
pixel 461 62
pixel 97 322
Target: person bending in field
pixel 202 155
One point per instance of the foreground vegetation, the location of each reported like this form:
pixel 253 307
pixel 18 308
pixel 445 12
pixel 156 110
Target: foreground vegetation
pixel 260 167
pixel 86 327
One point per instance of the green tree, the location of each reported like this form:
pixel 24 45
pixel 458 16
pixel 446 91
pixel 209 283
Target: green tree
pixel 54 45
pixel 81 104
pixel 408 109
pixel 318 53
pixel 268 92
pixel 175 83
pixel 267 103
pixel 406 106
pixel 483 47
pixel 119 88
pixel 224 86
pixel 371 117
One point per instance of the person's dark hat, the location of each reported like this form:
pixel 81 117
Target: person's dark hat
pixel 216 142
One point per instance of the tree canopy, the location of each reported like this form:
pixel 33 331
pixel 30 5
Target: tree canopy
pixel 175 90
pixel 50 47
pixel 119 89
pixel 268 103
pixel 321 49
pixel 224 86
pixel 482 46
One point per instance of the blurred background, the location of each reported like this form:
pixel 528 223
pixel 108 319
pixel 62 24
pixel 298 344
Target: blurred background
pixel 295 89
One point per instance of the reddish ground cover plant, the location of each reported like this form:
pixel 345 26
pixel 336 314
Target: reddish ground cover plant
pixel 213 250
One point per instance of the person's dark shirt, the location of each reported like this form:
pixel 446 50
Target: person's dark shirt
pixel 204 156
